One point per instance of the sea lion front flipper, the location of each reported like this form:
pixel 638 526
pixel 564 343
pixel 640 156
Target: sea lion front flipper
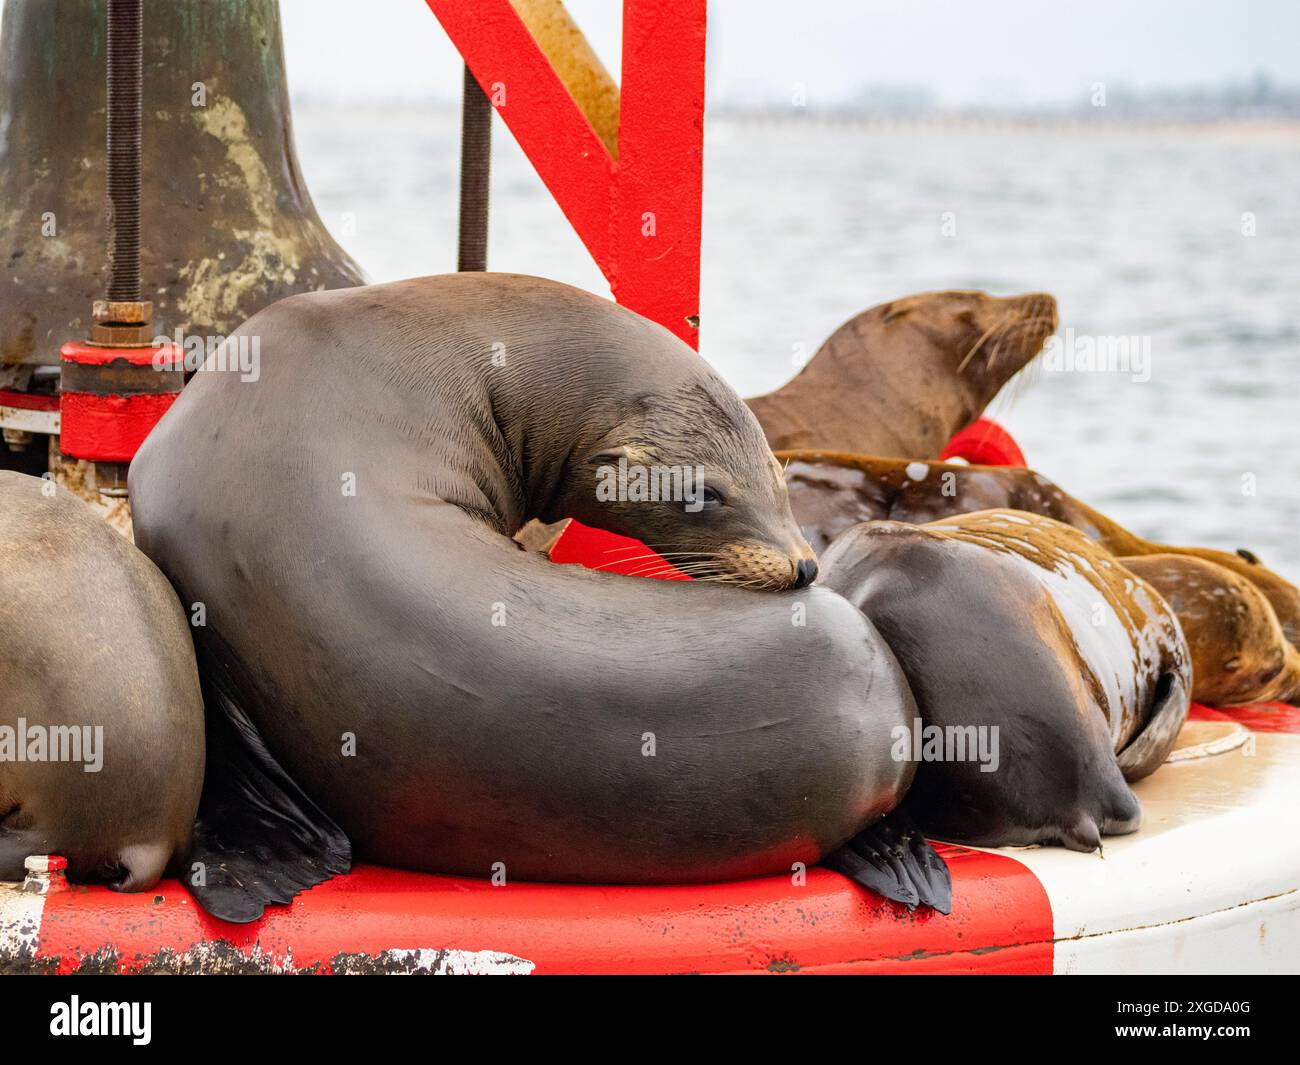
pixel 1147 751
pixel 893 859
pixel 259 838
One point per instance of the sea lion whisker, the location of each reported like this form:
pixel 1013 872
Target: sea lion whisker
pixel 1007 329
pixel 650 556
pixel 978 344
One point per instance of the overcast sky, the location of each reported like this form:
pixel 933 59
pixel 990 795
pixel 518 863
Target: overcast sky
pixel 964 51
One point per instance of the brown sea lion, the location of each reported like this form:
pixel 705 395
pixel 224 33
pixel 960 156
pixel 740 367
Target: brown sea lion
pixel 903 377
pixel 1239 654
pixel 101 722
pixel 452 702
pixel 831 491
pixel 1024 641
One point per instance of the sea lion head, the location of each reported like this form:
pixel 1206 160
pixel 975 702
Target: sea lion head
pixel 1282 595
pixel 1239 652
pixel 984 340
pixel 689 473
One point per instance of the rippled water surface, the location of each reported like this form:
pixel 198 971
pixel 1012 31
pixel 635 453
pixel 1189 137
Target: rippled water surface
pixel 1137 232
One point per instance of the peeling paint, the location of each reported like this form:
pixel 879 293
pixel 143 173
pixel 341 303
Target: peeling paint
pixel 215 290
pixel 20 926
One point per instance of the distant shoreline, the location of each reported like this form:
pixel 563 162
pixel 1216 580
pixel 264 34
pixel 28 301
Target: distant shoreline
pixel 996 120
pixel 1115 120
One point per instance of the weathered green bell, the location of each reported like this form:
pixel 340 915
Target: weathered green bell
pixel 227 224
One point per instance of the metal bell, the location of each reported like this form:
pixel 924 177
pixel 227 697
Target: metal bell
pixel 227 224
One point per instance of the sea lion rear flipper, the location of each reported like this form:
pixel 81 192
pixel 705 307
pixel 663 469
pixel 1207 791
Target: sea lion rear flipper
pixel 893 859
pixel 259 838
pixel 1147 750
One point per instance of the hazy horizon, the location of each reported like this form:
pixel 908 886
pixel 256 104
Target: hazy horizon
pixel 997 54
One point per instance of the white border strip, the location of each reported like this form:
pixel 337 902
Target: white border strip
pixel 20 922
pixel 30 421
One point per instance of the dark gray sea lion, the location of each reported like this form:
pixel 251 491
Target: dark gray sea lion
pixel 458 704
pixel 101 722
pixel 1027 643
pixel 832 491
pixel 903 377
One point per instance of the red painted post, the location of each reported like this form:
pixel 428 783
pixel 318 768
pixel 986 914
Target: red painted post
pixel 660 170
pixel 639 215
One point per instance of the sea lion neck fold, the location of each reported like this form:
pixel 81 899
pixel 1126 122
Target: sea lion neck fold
pixel 519 359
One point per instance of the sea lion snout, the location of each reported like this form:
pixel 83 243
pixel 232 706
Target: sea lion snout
pixel 1011 327
pixel 759 564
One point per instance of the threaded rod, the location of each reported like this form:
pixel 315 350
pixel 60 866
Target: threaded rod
pixel 475 172
pixel 125 91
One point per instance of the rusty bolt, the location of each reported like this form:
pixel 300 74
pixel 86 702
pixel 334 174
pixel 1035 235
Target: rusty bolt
pixel 122 312
pixel 17 439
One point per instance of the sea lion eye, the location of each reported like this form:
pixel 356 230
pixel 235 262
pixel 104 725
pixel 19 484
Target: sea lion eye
pixel 704 499
pixel 711 498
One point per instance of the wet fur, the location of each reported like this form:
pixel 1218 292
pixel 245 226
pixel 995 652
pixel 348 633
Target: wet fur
pixel 992 617
pixel 1239 654
pixel 831 491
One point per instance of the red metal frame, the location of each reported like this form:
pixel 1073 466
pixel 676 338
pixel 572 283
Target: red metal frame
pixel 28 400
pixel 639 216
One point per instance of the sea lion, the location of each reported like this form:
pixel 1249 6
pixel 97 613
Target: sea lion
pixel 1013 622
pixel 831 491
pixel 460 705
pixel 101 721
pixel 1239 654
pixel 903 377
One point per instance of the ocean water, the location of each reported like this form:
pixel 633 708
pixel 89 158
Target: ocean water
pixel 1138 231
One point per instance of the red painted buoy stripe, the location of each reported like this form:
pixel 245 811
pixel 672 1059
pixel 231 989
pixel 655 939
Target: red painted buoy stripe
pixel 1266 717
pixel 1001 922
